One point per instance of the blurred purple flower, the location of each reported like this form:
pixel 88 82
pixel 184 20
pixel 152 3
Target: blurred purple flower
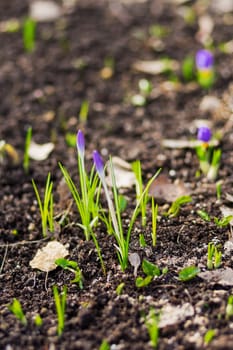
pixel 99 165
pixel 80 143
pixel 204 60
pixel 204 134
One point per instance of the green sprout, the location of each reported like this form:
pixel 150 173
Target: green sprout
pixel 122 240
pixel 223 222
pixel 188 273
pixel 60 304
pixel 152 325
pixel 38 320
pixel 229 307
pixel 83 113
pixel 214 256
pixel 218 190
pixel 8 149
pixel 187 68
pixel 29 30
pixel 150 270
pixel 104 345
pixel 119 288
pixel 136 166
pixel 73 267
pixel 204 215
pixel 154 222
pixel 142 240
pixel 26 150
pixel 176 205
pixel 209 335
pixel 46 207
pixel 16 308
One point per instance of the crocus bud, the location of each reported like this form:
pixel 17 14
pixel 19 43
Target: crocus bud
pixel 80 143
pixel 99 165
pixel 204 60
pixel 205 68
pixel 204 134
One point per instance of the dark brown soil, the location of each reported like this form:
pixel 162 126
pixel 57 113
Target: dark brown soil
pixel 47 81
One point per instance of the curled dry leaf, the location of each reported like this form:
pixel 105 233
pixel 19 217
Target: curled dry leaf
pixel 40 152
pixel 162 188
pixel 223 277
pixel 135 261
pixel 210 103
pixel 180 144
pixel 124 175
pixel 44 259
pixel 171 314
pixel 44 11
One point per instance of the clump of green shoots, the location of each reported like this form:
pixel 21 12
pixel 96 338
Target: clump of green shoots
pixel 214 256
pixel 87 198
pixel 46 206
pixel 16 308
pixel 209 158
pixel 60 304
pixel 26 150
pixel 73 267
pixel 152 325
pixel 122 239
pixel 29 31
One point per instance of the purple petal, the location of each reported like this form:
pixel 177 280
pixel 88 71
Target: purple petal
pixel 80 142
pixel 204 59
pixel 204 134
pixel 99 165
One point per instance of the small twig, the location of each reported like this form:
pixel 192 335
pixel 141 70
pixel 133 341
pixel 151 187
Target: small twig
pixel 24 242
pixel 4 258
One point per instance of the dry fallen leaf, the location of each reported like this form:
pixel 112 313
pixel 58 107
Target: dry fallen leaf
pixel 135 261
pixel 40 152
pixel 171 314
pixel 124 175
pixel 163 189
pixel 223 277
pixel 43 11
pixel 156 67
pixel 44 259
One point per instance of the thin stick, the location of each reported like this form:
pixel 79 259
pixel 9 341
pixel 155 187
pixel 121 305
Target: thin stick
pixel 4 258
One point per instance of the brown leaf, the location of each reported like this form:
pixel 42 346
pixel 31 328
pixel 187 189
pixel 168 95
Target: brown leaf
pixel 163 189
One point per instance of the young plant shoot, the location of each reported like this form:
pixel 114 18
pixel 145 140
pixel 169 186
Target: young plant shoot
pixel 60 304
pixel 29 30
pixel 26 150
pixel 214 257
pixel 152 325
pixel 209 158
pixel 205 68
pixel 46 206
pixel 16 308
pixel 122 240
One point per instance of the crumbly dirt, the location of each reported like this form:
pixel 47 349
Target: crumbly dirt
pixel 44 89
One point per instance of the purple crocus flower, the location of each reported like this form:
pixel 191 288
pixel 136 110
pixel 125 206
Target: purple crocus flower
pixel 80 143
pixel 204 134
pixel 99 165
pixel 204 60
